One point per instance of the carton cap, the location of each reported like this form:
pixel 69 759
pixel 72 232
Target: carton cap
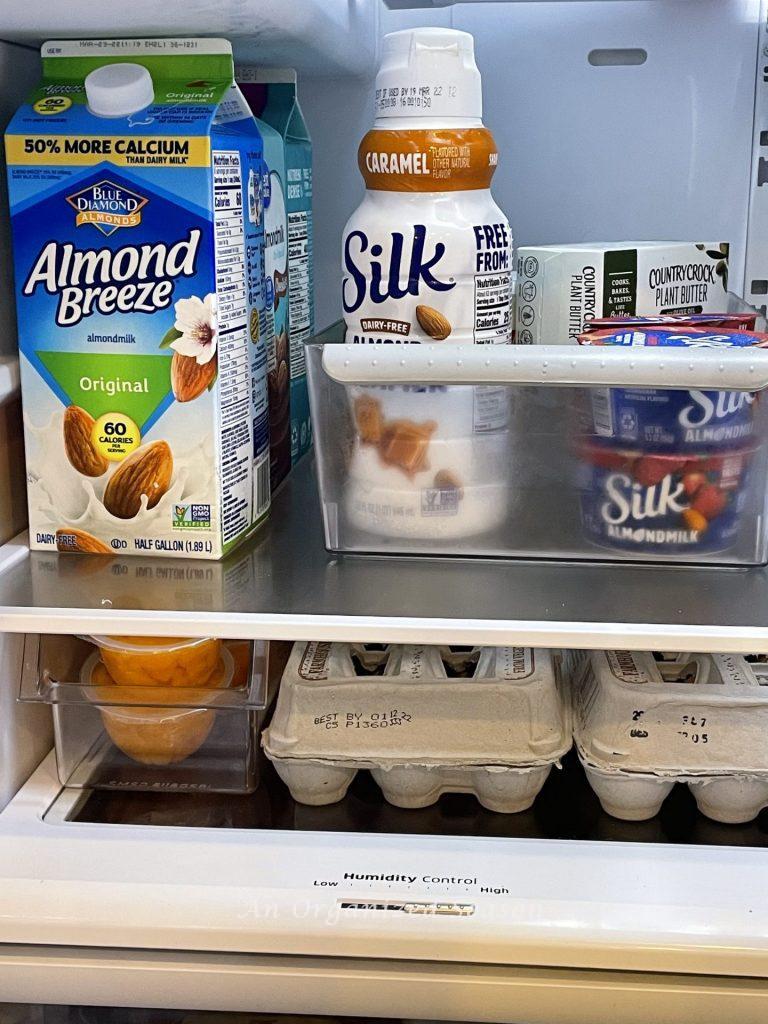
pixel 117 90
pixel 433 70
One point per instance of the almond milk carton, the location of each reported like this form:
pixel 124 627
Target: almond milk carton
pixel 273 97
pixel 139 264
pixel 276 244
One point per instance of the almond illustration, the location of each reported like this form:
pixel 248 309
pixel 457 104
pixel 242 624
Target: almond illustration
pixel 148 471
pixel 433 323
pixel 78 445
pixel 81 542
pixel 189 378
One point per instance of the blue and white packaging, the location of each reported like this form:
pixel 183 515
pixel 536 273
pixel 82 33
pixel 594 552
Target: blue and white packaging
pixel 656 419
pixel 139 265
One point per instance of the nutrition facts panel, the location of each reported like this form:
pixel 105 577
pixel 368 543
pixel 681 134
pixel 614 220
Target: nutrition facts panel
pixel 234 366
pixel 492 308
pixel 299 257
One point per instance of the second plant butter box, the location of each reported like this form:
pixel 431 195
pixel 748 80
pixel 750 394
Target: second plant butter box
pixel 140 288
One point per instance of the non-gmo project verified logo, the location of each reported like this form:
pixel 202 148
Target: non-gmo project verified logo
pixel 192 517
pixel 107 206
pixel 440 501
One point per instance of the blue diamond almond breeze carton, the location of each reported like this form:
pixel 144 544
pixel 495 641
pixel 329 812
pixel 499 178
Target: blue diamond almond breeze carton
pixel 138 240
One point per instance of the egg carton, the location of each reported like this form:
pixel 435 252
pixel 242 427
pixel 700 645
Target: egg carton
pixel 644 721
pixel 317 781
pixel 733 799
pixel 424 720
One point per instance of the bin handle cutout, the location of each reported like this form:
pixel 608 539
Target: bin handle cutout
pixel 550 365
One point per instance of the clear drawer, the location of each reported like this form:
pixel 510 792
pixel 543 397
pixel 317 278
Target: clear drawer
pixel 149 735
pixel 556 452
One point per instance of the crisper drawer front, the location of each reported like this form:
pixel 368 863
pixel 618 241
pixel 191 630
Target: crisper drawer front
pixel 371 892
pixel 232 989
pixel 542 451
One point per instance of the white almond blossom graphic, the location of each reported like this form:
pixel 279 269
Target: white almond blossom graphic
pixel 196 319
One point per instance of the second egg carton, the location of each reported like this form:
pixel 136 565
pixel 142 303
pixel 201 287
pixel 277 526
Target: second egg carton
pixel 424 720
pixel 644 722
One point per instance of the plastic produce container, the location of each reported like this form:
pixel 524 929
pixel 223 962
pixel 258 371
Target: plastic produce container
pixel 643 722
pixel 164 733
pixel 424 720
pixel 518 470
pixel 158 661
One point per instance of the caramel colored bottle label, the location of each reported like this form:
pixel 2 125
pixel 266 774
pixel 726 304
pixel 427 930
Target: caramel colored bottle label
pixel 428 160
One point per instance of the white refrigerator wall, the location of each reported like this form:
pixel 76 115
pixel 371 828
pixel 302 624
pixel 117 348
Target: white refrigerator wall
pixel 19 70
pixel 26 730
pixel 658 150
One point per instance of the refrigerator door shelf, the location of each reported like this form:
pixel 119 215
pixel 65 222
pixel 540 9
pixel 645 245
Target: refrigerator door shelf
pixel 308 35
pixel 604 906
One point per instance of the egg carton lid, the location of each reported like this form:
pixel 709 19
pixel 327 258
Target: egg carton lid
pixel 677 774
pixel 460 657
pixel 322 661
pixel 724 678
pixel 412 707
pixel 435 764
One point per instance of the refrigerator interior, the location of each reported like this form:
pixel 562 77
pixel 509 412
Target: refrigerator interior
pixel 615 119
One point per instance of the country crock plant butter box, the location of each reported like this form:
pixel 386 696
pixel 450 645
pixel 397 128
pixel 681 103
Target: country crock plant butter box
pixel 139 266
pixel 560 288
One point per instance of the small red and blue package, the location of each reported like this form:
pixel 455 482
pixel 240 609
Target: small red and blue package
pixel 680 336
pixel 662 420
pixel 730 321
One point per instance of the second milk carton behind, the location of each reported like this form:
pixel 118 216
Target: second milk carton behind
pixel 268 194
pixel 272 96
pixel 140 289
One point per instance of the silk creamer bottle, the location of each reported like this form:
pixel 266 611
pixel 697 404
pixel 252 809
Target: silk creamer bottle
pixel 427 259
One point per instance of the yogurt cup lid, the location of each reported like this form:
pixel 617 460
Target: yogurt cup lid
pixel 150 645
pixel 678 337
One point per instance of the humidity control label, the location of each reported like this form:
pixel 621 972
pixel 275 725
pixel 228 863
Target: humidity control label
pixel 424 883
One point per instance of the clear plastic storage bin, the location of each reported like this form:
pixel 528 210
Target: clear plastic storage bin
pixel 162 736
pixel 523 451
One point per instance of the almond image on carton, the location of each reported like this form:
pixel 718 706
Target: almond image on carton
pixel 78 444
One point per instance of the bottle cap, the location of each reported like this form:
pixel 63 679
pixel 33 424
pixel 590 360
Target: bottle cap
pixel 117 90
pixel 428 73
